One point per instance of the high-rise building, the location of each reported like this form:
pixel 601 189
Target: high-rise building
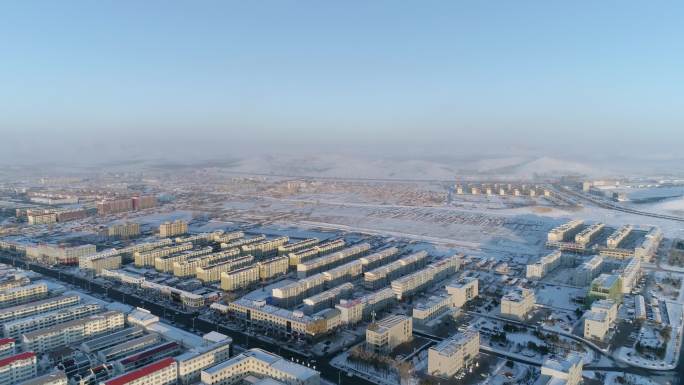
pixel 171 229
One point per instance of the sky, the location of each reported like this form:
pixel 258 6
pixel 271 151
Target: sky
pixel 82 80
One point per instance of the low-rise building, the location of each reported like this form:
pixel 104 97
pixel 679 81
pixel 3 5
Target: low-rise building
pixel 171 229
pixel 453 354
pixel 192 362
pixel 18 368
pixel 37 307
pixel 23 294
pixel 599 319
pixel 275 319
pixel 463 290
pixel 434 272
pixel 260 363
pixel 240 278
pixel 567 371
pixel 431 309
pixel 517 303
pixel 14 329
pixel 384 335
pixel 55 337
pixel 545 265
pixel 560 233
pixel 606 286
pixel 54 378
pixel 162 372
pixel 359 309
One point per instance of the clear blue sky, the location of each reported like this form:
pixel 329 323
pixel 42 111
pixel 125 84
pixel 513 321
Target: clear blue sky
pixel 513 73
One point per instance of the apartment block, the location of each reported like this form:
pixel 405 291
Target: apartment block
pixel 265 248
pixel 599 319
pixel 23 294
pixel 273 267
pixel 162 372
pixel 212 273
pixel 18 368
pixel 560 233
pixel 38 307
pixel 545 265
pixel 379 258
pixel 585 236
pixel 146 258
pixel 327 299
pixel 384 335
pixel 192 362
pixel 359 309
pixel 171 229
pixel 14 329
pixel 240 278
pixel 332 260
pixel 606 286
pixel 260 363
pixel 55 337
pixel 434 272
pixel 54 378
pixel 383 275
pixel 431 309
pixel 463 290
pixel 517 303
pixel 453 354
pixel 567 371
pixel 297 246
pixel 587 271
pixel 110 259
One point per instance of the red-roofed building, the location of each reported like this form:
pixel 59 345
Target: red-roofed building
pixel 17 368
pixel 7 347
pixel 162 372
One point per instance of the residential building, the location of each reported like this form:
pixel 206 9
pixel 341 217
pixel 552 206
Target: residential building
pixel 14 329
pixel 273 267
pixel 618 236
pixel 315 251
pixel 585 236
pixel 384 335
pixel 144 202
pixel 630 274
pixel 146 258
pixel 162 372
pixel 567 371
pixel 517 303
pixel 122 231
pixel 560 233
pixel 240 278
pixel 383 275
pixel 192 362
pixel 434 272
pixel 284 250
pixel 7 347
pixel 292 294
pixel 262 364
pixel 114 206
pixel 606 286
pixel 276 319
pixel 23 294
pixel 431 309
pixel 18 368
pixel 37 307
pixel 329 261
pixel 379 258
pixel 109 259
pixel 359 309
pixel 463 290
pixel 54 378
pixel 327 299
pixel 59 254
pixel 165 263
pixel 545 265
pixel 171 229
pixel 64 334
pixel 212 273
pixel 265 248
pixel 453 354
pixel 600 318
pixel 188 267
pixel 588 270
pixel 42 219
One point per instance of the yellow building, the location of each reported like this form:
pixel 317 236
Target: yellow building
pixel 453 354
pixel 383 336
pixel 518 303
pixel 171 229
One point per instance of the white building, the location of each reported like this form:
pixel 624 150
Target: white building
pixel 452 354
pixel 23 294
pixel 566 371
pixel 517 303
pixel 388 333
pixel 191 363
pixel 162 372
pixel 17 368
pixel 544 266
pixel 463 290
pixel 14 329
pixel 260 363
pixel 559 233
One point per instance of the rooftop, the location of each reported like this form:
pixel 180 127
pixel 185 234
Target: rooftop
pixel 144 371
pixel 276 362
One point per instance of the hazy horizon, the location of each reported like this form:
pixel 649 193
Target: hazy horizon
pixel 96 82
